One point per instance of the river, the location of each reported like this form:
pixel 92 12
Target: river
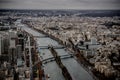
pixel 75 69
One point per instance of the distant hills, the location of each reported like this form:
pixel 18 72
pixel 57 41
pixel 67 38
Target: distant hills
pixel 48 13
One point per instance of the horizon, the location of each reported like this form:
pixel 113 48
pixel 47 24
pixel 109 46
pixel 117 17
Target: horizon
pixel 65 9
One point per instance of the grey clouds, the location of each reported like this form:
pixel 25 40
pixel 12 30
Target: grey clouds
pixel 59 4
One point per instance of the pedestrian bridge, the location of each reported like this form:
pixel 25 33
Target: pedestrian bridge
pixel 53 58
pixel 41 36
pixel 47 47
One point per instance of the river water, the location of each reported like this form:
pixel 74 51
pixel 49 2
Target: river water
pixel 76 70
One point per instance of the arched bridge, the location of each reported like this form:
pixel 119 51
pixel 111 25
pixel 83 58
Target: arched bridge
pixel 53 59
pixel 55 47
pixel 41 36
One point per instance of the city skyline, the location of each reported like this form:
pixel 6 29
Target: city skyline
pixel 62 4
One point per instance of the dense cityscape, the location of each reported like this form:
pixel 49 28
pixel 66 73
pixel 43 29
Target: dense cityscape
pixel 59 44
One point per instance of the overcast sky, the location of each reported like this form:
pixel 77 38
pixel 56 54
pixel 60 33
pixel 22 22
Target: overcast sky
pixel 59 4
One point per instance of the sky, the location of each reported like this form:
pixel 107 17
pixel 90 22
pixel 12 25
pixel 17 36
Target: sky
pixel 59 4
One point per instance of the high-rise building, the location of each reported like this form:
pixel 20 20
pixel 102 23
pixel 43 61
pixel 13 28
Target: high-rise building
pixel 4 43
pixel 1 44
pixel 21 39
pixel 12 47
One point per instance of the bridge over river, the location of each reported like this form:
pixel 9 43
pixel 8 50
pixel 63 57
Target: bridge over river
pixel 47 47
pixel 61 57
pixel 45 36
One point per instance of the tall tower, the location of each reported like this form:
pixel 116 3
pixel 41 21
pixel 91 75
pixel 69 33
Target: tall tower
pixel 12 47
pixel 0 44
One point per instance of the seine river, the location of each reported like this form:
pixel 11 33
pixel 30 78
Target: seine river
pixel 75 69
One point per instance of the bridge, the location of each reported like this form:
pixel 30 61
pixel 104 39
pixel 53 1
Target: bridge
pixel 55 47
pixel 61 57
pixel 41 36
pixel 53 59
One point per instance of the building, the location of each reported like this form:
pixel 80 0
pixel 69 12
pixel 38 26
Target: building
pixel 4 43
pixel 1 45
pixel 12 47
